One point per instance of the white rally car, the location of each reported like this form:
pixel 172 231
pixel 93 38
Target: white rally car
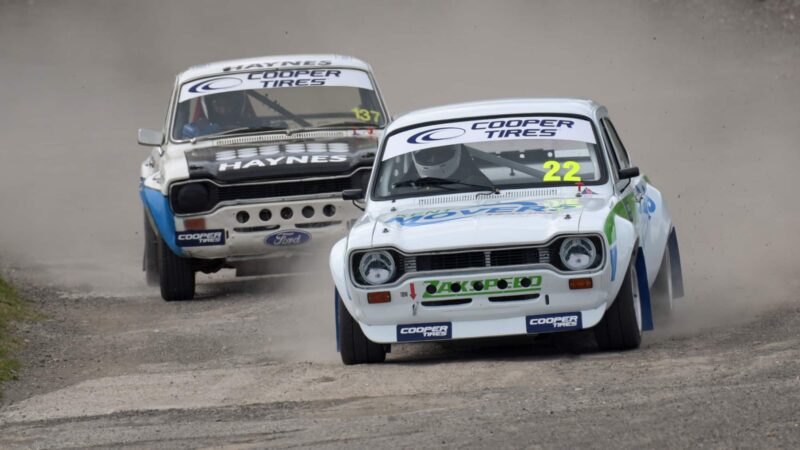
pixel 500 218
pixel 252 162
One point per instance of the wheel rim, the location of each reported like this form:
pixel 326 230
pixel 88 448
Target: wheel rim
pixel 637 304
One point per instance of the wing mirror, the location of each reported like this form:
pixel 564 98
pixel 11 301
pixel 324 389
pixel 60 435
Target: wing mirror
pixel 353 194
pixel 151 138
pixel 628 173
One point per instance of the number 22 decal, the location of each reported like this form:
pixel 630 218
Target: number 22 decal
pixel 571 167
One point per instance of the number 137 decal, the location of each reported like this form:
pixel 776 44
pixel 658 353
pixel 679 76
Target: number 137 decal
pixel 571 167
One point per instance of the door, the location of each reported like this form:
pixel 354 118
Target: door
pixel 636 187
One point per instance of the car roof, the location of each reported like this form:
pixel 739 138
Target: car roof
pixel 511 106
pixel 272 62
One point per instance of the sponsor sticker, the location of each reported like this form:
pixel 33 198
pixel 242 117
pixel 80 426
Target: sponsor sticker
pixel 288 238
pixel 548 323
pixel 424 331
pixel 430 217
pixel 198 238
pixel 486 130
pixel 282 160
pixel 278 63
pixel 435 289
pixel 279 78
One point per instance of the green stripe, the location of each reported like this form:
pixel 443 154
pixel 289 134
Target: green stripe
pixel 619 210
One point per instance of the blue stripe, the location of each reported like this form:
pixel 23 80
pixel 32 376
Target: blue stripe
pixel 162 215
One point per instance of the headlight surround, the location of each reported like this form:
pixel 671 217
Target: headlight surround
pixel 578 253
pixel 193 197
pixel 376 267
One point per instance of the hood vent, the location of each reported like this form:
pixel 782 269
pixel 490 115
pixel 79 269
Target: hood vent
pixel 472 196
pixel 283 137
pixel 278 149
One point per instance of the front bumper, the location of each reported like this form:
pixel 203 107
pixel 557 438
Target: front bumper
pixel 547 304
pixel 250 240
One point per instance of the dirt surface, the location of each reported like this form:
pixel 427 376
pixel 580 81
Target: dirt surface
pixel 705 94
pixel 142 373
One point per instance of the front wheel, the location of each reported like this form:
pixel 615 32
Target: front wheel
pixel 355 347
pixel 621 326
pixel 176 274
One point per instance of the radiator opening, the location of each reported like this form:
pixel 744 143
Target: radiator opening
pixel 329 223
pixel 256 229
pixel 514 298
pixel 448 302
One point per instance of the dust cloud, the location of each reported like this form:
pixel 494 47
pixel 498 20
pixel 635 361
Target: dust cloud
pixel 705 95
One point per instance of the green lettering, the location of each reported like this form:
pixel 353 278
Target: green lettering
pixel 434 283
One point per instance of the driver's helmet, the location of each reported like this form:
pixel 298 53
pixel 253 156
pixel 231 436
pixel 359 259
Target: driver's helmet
pixel 225 108
pixel 437 162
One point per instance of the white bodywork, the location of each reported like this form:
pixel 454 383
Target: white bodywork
pixel 627 216
pixel 168 165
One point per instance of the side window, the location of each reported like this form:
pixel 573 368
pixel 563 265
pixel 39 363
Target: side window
pixel 619 149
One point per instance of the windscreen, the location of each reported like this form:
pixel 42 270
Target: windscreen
pixel 275 100
pixel 489 154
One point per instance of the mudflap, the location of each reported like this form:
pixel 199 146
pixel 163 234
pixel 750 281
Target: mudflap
pixel 336 318
pixel 675 262
pixel 644 292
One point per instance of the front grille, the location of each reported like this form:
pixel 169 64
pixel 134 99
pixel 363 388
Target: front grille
pixel 466 260
pixel 204 201
pixel 448 261
pixel 479 259
pixel 514 257
pixel 287 189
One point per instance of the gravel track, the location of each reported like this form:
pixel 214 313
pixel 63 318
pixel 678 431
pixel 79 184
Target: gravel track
pixel 705 94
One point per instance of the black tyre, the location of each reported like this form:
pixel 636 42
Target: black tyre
pixel 150 259
pixel 176 274
pixel 354 347
pixel 621 326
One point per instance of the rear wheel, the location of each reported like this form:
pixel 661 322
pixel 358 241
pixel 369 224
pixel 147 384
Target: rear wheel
pixel 150 260
pixel 621 326
pixel 355 348
pixel 176 274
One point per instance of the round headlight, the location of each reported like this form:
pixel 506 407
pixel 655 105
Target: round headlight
pixel 377 267
pixel 577 253
pixel 192 197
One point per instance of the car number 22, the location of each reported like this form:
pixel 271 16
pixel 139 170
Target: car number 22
pixel 571 167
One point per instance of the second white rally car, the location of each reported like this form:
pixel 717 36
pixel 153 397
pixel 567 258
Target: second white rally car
pixel 501 218
pixel 249 168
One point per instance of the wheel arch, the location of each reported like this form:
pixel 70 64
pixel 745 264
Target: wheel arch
pixel 624 249
pixel 160 215
pixel 659 227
